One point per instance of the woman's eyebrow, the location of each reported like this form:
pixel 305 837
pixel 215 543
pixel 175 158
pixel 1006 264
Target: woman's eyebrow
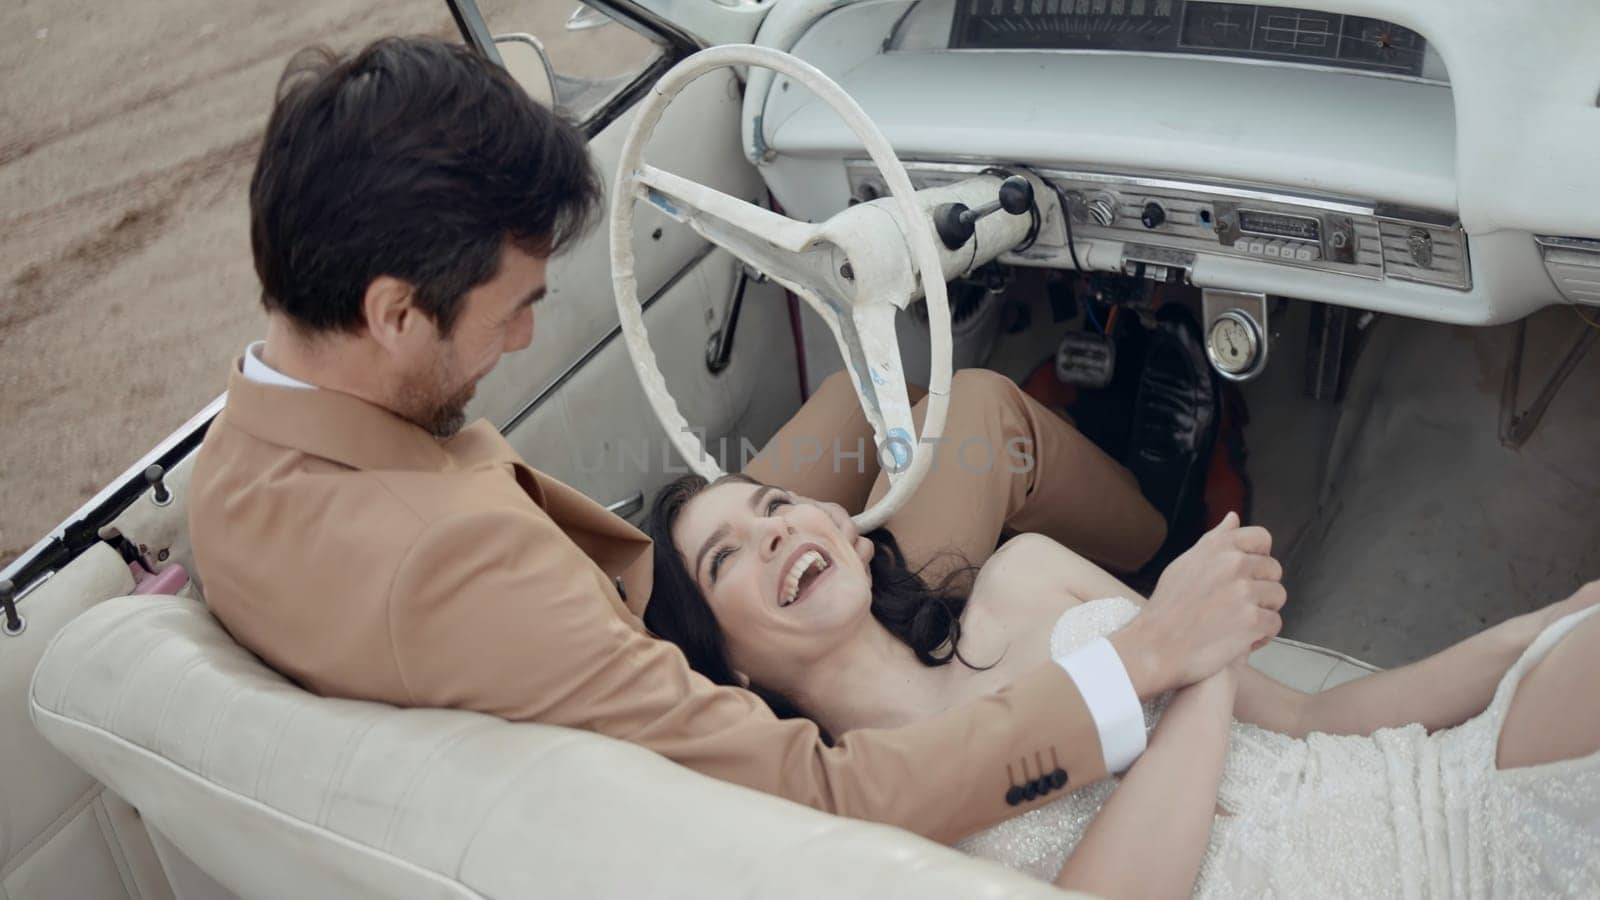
pixel 718 535
pixel 756 498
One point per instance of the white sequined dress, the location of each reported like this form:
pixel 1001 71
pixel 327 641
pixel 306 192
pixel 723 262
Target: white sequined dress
pixel 1401 813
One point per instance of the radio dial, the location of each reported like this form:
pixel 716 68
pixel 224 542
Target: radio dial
pixel 1153 215
pixel 1103 209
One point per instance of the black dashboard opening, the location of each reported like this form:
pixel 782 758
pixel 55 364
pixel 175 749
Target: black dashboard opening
pixel 1239 30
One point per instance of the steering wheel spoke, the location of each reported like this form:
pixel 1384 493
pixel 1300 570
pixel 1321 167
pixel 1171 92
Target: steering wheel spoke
pixel 867 338
pixel 788 251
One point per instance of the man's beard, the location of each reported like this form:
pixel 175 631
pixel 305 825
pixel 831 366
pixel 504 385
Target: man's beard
pixel 427 401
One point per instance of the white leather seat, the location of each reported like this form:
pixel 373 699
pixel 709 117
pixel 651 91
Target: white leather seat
pixel 274 792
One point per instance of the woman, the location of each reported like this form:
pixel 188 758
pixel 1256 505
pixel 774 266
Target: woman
pixel 1481 773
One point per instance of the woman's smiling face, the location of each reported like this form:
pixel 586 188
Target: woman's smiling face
pixel 786 578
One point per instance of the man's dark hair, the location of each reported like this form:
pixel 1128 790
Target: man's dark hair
pixel 412 158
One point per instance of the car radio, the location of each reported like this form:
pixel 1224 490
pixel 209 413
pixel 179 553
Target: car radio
pixel 1300 237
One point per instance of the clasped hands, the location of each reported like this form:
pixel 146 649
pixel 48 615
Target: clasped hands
pixel 1212 606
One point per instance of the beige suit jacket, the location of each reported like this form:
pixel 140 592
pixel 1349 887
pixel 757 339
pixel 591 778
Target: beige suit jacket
pixel 363 558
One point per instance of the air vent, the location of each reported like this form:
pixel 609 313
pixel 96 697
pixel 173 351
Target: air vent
pixel 1426 253
pixel 1369 246
pixel 1574 265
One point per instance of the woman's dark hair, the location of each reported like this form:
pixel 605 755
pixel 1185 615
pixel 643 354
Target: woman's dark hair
pixel 413 158
pixel 927 618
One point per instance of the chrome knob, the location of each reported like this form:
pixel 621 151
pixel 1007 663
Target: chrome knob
pixel 1103 209
pixel 1153 215
pixel 1420 243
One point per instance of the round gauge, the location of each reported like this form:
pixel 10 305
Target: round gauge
pixel 1234 345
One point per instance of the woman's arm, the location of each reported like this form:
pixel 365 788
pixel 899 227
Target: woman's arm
pixel 1440 691
pixel 1443 690
pixel 1150 837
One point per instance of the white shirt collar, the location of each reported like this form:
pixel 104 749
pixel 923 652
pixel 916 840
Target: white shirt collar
pixel 256 370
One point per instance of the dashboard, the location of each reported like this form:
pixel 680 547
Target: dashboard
pixel 1429 167
pixel 1239 30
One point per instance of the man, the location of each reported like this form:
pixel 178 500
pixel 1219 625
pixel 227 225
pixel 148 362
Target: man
pixel 355 536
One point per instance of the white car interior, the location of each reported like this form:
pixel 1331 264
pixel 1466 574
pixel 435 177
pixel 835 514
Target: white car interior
pixel 1384 215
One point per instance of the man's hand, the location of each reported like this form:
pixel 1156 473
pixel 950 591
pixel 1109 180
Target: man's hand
pixel 1213 605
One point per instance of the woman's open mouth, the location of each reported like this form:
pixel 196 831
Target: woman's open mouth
pixel 805 567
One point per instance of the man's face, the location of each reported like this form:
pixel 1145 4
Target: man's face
pixel 496 318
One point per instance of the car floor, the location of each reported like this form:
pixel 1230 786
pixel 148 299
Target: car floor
pixel 1403 523
pixel 1427 529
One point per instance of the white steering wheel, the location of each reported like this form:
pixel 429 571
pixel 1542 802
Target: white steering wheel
pixel 855 270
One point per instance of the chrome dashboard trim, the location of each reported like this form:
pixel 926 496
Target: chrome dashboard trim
pixel 1573 263
pixel 1236 60
pixel 1562 242
pixel 1230 190
pixel 1371 213
pixel 1411 215
pixel 1222 189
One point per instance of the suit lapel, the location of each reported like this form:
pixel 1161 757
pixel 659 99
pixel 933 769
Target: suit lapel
pixel 619 549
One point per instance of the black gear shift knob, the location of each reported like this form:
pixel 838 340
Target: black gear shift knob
pixel 1016 195
pixel 956 222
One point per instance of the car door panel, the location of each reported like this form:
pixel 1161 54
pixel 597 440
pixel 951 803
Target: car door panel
pixel 697 138
pixel 597 431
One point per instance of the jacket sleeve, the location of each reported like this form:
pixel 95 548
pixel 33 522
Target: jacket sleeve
pixel 501 613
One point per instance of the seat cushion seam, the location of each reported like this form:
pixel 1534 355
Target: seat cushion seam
pixel 166 705
pixel 71 677
pixel 424 765
pixel 51 830
pixel 217 718
pixel 269 810
pixel 346 754
pixel 265 775
pixel 108 833
pixel 505 796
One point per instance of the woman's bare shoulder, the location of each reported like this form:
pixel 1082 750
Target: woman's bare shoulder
pixel 1028 578
pixel 1016 600
pixel 1033 572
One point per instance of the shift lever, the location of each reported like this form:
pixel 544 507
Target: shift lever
pixel 957 222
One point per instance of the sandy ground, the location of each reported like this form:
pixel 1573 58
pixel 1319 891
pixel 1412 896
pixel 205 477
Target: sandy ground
pixel 127 136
